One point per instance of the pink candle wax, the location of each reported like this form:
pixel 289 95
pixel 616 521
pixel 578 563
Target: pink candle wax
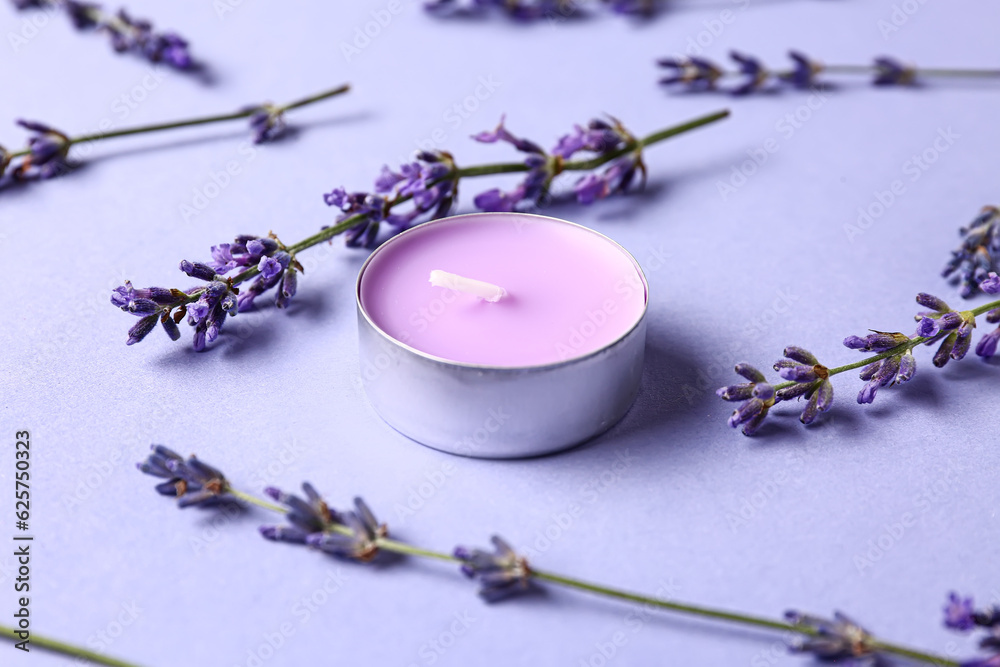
pixel 569 290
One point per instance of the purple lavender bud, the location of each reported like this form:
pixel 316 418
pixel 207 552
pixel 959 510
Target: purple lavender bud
pixel 868 372
pixel 754 71
pixel 945 350
pixel 170 327
pixel 337 197
pixel 736 392
pixel 494 200
pixel 197 270
pixel 142 306
pixel 795 371
pixel 803 71
pixel 793 391
pixel 749 372
pixel 141 329
pixel 855 343
pixel 387 180
pixel 590 188
pixel 958 613
pixel 820 401
pixel 887 370
pixel 120 296
pixel 287 288
pixel 927 327
pixel 907 367
pixel 877 341
pixel 987 346
pixel 800 355
pixel 890 72
pixel 962 344
pixel 991 285
pixel 839 639
pixel 932 302
pixel 269 267
pixel 198 342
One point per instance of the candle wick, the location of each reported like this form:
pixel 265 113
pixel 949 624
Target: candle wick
pixel 484 290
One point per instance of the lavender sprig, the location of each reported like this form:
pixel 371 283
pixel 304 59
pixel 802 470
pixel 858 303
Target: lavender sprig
pixel 47 152
pixel 430 183
pixel 530 10
pixel 126 33
pixel 892 364
pixel 502 572
pixel 979 254
pixel 960 614
pixel 697 74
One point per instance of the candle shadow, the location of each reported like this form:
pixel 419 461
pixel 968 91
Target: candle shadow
pixel 669 389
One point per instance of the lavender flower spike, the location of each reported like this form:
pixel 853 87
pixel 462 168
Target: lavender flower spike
pixel 501 573
pixel 753 69
pixel 890 72
pixel 48 151
pixel 979 253
pixel 958 613
pixel 124 32
pixel 758 397
pixel 803 74
pixel 310 518
pixel 837 639
pixel 361 539
pixel 811 380
pixel 191 481
pixel 696 74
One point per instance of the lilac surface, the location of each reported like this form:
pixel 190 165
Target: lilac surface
pixel 730 279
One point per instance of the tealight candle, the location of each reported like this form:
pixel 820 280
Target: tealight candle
pixel 501 334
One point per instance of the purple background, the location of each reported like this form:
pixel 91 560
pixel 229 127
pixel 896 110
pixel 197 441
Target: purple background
pixel 731 279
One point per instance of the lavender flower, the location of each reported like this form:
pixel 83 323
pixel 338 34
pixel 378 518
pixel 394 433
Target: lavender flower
pixel 501 573
pixel 812 381
pixel 528 10
pixel 891 370
pixel 837 639
pixel 876 341
pixel 535 185
pixel 695 74
pixel 603 138
pixel 890 72
pixel 309 517
pixel 758 397
pixel 48 151
pixel 124 32
pixel 362 541
pixel 755 72
pixel 958 613
pixel 632 7
pixel 208 313
pixel 206 307
pixel 150 304
pixel 431 182
pixel 942 323
pixel 191 482
pixel 979 252
pixel 267 123
pixel 804 71
pixel 896 368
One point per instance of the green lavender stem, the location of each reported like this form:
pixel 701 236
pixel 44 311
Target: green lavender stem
pixel 496 168
pixel 899 349
pixel 398 547
pixel 56 646
pixel 204 120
